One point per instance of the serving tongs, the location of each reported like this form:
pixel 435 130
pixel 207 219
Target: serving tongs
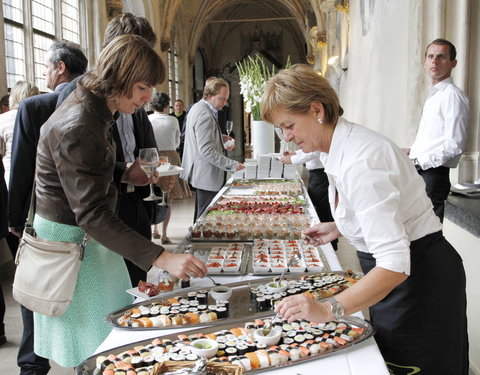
pixel 267 328
pixel 198 369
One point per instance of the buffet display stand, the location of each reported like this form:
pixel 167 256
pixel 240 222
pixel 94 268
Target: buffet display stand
pixel 363 358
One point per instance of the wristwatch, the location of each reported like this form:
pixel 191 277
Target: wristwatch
pixel 335 307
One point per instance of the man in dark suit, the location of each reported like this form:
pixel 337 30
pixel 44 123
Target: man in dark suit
pixel 131 133
pixel 179 113
pixel 63 62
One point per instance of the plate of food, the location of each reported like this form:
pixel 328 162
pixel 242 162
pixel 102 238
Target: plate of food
pixel 244 344
pixel 147 290
pixel 172 170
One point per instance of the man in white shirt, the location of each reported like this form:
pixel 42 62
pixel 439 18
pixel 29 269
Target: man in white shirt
pixel 442 135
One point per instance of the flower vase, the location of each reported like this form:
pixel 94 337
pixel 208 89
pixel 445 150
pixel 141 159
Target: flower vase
pixel 263 138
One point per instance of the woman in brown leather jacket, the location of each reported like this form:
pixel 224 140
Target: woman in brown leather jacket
pixel 76 195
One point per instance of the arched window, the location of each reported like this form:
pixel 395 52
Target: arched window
pixel 30 28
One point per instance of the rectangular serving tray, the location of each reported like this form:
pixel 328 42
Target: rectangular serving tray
pixel 238 308
pixel 88 367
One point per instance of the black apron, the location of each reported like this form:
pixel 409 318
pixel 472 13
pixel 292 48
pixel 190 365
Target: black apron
pixel 422 324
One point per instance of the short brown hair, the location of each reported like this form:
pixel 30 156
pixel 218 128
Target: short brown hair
pixel 213 86
pixel 295 89
pixel 127 23
pixel 444 42
pixel 125 61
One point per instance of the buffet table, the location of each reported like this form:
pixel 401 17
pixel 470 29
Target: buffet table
pixel 362 358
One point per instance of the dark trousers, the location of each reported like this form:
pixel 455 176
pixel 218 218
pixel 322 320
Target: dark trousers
pixel 27 360
pixel 202 199
pixel 422 323
pixel 437 181
pixel 2 312
pixel 318 192
pixel 133 212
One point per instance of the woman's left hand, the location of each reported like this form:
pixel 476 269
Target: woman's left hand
pixel 302 306
pixel 134 174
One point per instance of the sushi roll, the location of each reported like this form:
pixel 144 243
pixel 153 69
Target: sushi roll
pixel 202 298
pixel 103 363
pixel 250 326
pixel 261 346
pixel 202 308
pixel 183 309
pixel 143 371
pixel 288 340
pixel 242 348
pixel 251 347
pixel 261 304
pixel 191 357
pixel 222 312
pixel 149 361
pixel 231 350
pixel 137 362
pixel 191 296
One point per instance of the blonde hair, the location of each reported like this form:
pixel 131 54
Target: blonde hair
pixel 126 60
pixel 213 86
pixel 20 91
pixel 295 89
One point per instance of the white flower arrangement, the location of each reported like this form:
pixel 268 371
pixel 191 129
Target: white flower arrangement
pixel 254 75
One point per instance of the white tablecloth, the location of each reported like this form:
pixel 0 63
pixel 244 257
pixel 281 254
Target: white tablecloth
pixel 361 359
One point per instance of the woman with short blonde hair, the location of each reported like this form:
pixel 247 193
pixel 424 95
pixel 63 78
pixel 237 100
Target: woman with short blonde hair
pixel 414 281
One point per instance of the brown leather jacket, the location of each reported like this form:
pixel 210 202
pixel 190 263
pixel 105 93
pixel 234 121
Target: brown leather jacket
pixel 74 176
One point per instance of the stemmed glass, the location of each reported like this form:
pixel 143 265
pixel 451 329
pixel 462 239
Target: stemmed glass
pixel 149 162
pixel 163 160
pixel 229 127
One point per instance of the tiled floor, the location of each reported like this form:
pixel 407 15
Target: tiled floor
pixel 182 217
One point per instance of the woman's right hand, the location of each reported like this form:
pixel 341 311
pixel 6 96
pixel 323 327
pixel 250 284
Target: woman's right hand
pixel 183 266
pixel 321 234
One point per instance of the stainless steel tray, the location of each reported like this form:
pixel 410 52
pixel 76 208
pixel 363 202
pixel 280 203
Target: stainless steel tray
pixel 88 367
pixel 203 249
pixel 238 308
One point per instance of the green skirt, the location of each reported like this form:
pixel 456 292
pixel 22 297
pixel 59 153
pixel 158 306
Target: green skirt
pixel 102 281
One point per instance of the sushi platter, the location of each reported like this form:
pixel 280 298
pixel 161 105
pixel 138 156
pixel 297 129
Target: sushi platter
pixel 196 307
pixel 241 343
pixel 266 187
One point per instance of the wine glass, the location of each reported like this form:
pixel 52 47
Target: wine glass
pixel 229 127
pixel 163 160
pixel 149 162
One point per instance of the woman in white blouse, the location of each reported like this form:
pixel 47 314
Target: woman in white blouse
pixel 167 136
pixel 414 279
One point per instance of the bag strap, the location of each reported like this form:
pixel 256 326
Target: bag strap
pixel 31 214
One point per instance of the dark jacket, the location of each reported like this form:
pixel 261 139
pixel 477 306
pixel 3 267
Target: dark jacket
pixel 33 112
pixel 74 178
pixel 3 203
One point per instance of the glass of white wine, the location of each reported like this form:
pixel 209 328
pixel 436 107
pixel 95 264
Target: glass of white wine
pixel 229 127
pixel 163 160
pixel 149 162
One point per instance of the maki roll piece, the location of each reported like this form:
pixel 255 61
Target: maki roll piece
pixel 222 312
pixel 286 327
pixel 251 347
pixel 202 298
pixel 288 340
pixel 231 350
pixel 261 346
pixel 242 348
pixel 149 361
pixel 250 326
pixel 191 296
pixel 143 371
pixel 120 371
pixel 137 362
pixel 263 358
pixel 292 334
pixel 103 363
pixel 299 338
pixel 202 308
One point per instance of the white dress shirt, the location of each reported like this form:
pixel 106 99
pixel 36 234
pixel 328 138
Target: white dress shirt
pixel 166 130
pixel 442 135
pixel 311 159
pixel 382 204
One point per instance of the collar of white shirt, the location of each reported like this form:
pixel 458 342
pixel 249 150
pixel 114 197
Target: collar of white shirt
pixel 333 159
pixel 440 86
